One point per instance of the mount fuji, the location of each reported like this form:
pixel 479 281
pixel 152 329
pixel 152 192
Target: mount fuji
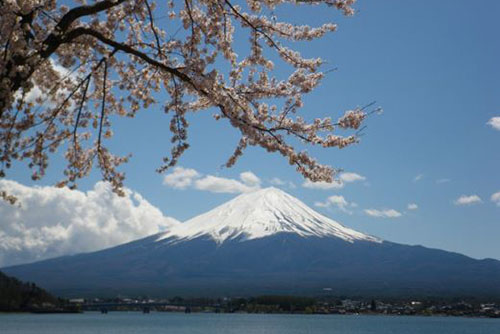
pixel 264 242
pixel 260 214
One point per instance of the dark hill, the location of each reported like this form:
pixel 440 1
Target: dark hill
pixel 17 296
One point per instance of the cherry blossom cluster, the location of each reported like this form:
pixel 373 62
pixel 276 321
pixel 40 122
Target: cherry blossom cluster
pixel 67 68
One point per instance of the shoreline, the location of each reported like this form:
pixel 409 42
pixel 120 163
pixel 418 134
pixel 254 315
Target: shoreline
pixel 44 312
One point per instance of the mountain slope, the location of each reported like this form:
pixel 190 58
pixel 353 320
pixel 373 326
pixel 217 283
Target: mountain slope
pixel 262 243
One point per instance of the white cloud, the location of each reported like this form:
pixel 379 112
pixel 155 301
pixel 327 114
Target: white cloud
pixel 412 206
pixel 494 122
pixel 336 184
pixel 441 181
pixel 250 179
pixel 181 178
pixel 217 184
pixel 495 198
pixel 184 178
pixel 279 182
pixel 50 222
pixel 418 177
pixel 337 201
pixel 467 200
pixel 351 177
pixel 323 185
pixel 40 98
pixel 386 213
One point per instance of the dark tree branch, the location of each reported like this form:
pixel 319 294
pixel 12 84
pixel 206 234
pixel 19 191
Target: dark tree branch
pixel 153 28
pixel 103 105
pixel 82 102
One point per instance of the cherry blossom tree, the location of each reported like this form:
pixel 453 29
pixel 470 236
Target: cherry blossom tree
pixel 67 68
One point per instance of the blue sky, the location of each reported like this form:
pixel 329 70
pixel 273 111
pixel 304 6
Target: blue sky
pixel 431 65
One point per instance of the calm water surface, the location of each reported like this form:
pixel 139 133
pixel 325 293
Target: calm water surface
pixel 178 323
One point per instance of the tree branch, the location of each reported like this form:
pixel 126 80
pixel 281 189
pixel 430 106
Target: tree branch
pixel 103 105
pixel 77 32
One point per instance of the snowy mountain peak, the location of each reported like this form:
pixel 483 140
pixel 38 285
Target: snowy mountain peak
pixel 259 214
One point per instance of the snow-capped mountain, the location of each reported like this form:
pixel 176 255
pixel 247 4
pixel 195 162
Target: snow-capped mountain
pixel 265 242
pixel 260 214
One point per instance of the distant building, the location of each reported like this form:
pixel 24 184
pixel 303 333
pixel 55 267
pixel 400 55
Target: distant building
pixel 77 301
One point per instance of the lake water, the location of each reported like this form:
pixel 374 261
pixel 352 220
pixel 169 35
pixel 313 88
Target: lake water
pixel 179 323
